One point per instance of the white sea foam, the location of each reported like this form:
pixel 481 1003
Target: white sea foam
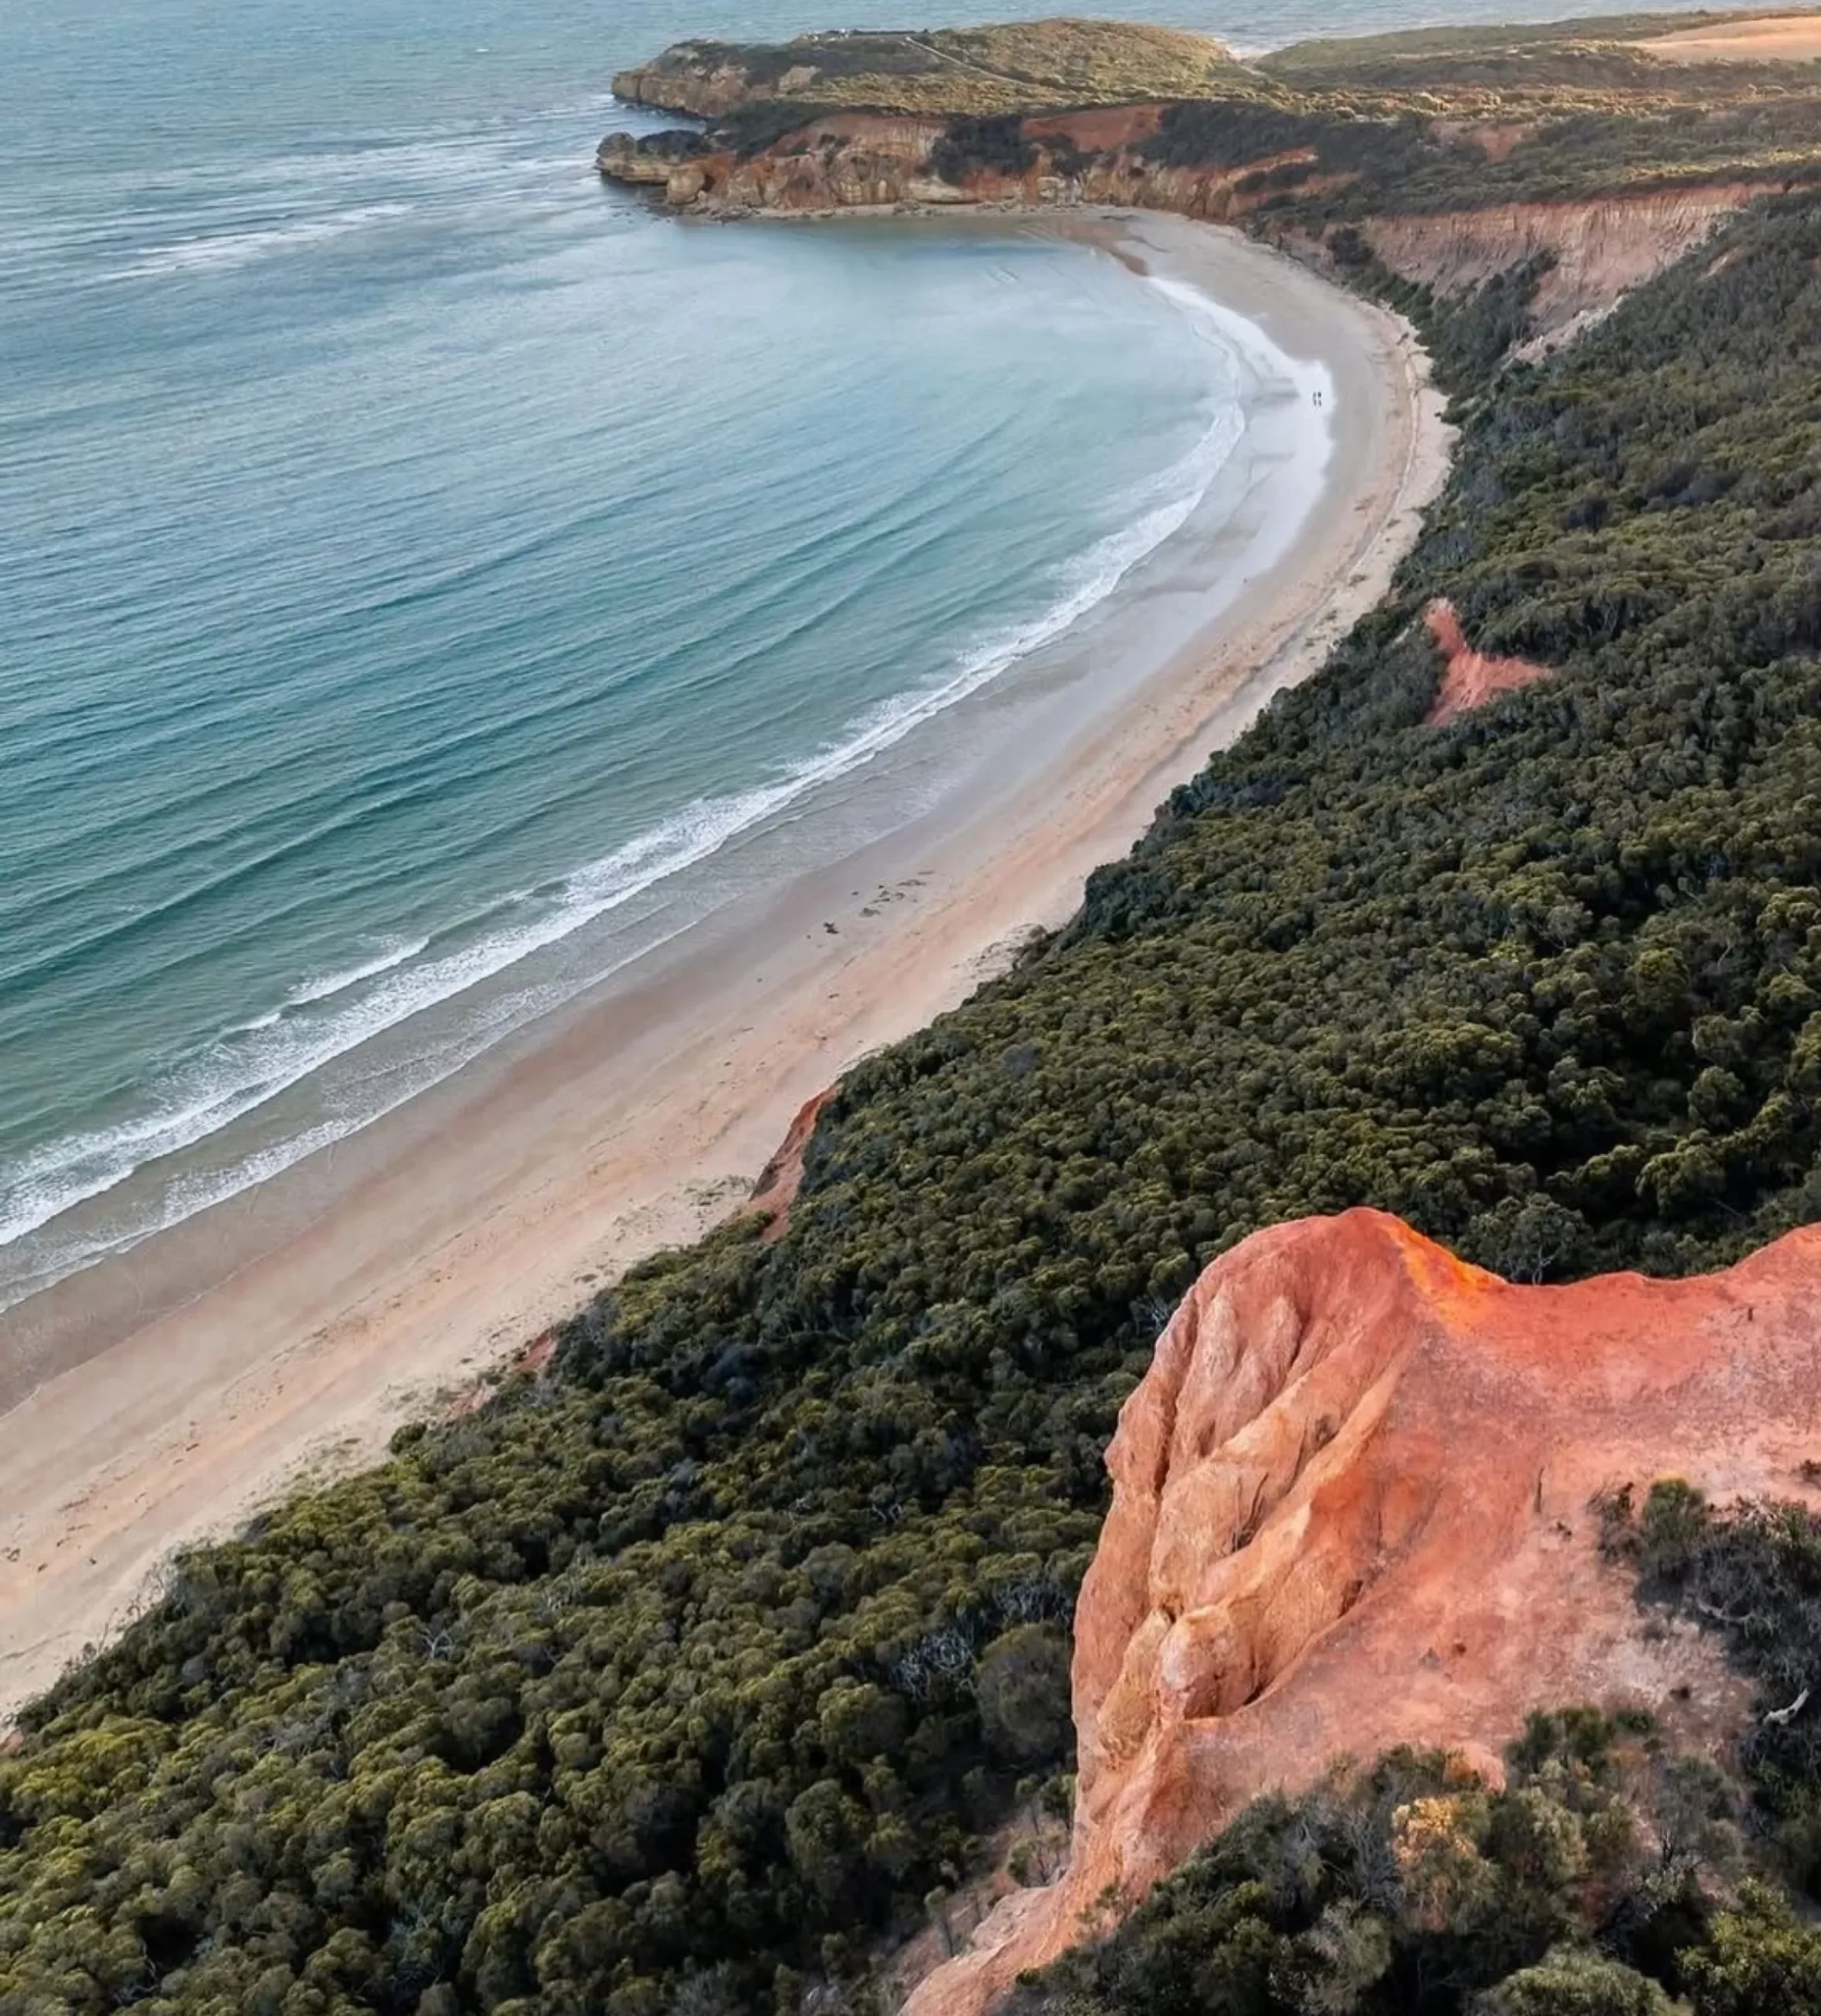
pixel 323 1020
pixel 221 250
pixel 1275 374
pixel 328 985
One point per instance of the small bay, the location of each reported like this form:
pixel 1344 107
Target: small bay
pixel 422 565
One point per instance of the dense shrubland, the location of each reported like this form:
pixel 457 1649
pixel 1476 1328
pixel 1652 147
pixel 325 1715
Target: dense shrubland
pixel 672 1679
pixel 1417 150
pixel 1604 1879
pixel 1611 1875
pixel 1371 154
pixel 1409 1889
pixel 1752 1572
pixel 999 145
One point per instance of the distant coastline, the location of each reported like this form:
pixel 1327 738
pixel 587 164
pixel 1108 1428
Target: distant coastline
pixel 166 1398
pixel 1253 1435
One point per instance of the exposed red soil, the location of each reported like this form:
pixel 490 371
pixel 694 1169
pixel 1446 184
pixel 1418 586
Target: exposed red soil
pixel 1471 678
pixel 1352 1509
pixel 533 1358
pixel 781 1178
pixel 1102 127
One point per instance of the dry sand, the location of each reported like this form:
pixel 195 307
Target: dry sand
pixel 626 1126
pixel 1772 38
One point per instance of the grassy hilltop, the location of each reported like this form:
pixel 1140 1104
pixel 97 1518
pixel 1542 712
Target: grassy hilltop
pixel 1065 61
pixel 1015 67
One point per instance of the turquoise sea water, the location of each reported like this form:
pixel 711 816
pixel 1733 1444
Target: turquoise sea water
pixel 413 556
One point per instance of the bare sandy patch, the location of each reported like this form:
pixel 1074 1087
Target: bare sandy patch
pixel 1771 39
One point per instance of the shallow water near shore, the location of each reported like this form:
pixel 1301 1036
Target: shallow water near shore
pixel 426 585
pixel 431 577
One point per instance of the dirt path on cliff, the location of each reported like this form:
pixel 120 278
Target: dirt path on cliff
pixel 962 63
pixel 434 1244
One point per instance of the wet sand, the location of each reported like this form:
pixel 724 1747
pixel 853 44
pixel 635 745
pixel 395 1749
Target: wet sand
pixel 170 1393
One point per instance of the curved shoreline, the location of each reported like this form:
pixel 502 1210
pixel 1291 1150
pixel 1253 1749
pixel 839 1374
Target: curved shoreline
pixel 621 1127
pixel 359 1036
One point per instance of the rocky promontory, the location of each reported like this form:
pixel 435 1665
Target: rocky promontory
pixel 1018 66
pixel 1356 1504
pixel 1451 170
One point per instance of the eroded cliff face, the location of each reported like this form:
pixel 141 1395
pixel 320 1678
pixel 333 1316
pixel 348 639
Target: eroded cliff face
pixel 697 78
pixel 782 1177
pixel 847 161
pixel 857 159
pixel 1351 1508
pixel 1599 249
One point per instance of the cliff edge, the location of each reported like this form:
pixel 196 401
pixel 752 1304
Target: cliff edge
pixel 1456 163
pixel 1355 1505
pixel 1578 254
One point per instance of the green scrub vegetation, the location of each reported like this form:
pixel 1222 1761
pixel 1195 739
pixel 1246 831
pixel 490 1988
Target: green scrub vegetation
pixel 1609 1876
pixel 679 1676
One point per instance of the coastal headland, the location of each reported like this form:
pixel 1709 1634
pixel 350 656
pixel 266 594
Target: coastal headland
pixel 1264 1458
pixel 442 1240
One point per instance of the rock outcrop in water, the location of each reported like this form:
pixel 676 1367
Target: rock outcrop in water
pixel 1353 1507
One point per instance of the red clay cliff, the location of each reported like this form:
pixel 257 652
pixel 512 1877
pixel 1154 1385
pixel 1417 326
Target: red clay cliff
pixel 1352 1510
pixel 779 1181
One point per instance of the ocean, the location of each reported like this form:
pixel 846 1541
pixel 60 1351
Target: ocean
pixel 424 572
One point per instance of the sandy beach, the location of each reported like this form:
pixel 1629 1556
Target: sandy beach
pixel 286 1338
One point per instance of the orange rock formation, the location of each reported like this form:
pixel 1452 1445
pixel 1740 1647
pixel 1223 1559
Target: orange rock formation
pixel 1350 1509
pixel 1471 678
pixel 781 1178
